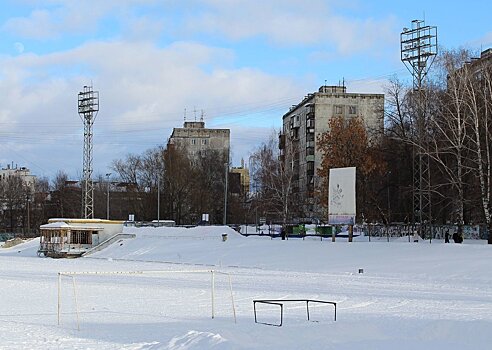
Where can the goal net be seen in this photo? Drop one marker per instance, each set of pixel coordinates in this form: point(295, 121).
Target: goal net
point(145, 295)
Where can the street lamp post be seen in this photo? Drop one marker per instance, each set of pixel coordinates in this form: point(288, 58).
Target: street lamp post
point(107, 203)
point(388, 198)
point(28, 214)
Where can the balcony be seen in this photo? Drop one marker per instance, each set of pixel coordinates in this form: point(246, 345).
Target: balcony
point(281, 141)
point(295, 122)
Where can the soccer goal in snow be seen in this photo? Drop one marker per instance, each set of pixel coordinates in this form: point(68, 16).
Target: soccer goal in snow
point(153, 273)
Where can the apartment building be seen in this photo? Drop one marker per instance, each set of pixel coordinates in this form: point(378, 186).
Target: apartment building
point(305, 122)
point(197, 139)
point(22, 172)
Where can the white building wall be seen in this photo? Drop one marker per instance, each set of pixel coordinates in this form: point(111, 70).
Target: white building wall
point(23, 172)
point(197, 138)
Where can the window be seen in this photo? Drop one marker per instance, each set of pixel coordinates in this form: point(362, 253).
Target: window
point(338, 109)
point(352, 109)
point(204, 141)
point(310, 168)
point(193, 141)
point(81, 237)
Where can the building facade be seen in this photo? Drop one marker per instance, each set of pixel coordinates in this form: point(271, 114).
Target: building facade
point(23, 173)
point(304, 124)
point(243, 174)
point(197, 139)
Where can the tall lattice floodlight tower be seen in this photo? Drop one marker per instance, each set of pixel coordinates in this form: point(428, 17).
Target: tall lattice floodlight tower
point(418, 47)
point(88, 108)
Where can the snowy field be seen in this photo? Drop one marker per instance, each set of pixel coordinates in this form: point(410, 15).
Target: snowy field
point(410, 296)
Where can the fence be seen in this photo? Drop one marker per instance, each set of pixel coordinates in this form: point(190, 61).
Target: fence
point(437, 231)
point(6, 234)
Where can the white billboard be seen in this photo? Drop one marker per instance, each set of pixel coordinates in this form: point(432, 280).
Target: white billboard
point(341, 196)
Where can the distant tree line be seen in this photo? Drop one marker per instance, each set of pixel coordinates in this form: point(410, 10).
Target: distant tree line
point(164, 179)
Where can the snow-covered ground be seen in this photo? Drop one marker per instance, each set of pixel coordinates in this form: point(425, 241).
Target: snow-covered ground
point(410, 295)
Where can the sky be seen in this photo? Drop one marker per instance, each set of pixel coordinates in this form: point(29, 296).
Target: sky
point(242, 62)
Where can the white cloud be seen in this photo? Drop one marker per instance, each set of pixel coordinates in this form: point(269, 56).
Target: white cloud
point(59, 17)
point(294, 22)
point(287, 22)
point(142, 87)
point(37, 25)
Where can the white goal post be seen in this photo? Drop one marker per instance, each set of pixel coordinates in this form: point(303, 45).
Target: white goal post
point(72, 275)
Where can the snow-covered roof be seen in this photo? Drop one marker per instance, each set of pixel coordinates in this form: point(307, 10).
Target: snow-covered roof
point(64, 225)
point(55, 225)
point(85, 221)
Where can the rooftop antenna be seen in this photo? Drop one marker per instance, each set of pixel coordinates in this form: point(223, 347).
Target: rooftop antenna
point(88, 107)
point(185, 114)
point(202, 115)
point(194, 111)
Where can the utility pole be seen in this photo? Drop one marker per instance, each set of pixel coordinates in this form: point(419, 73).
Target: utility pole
point(28, 199)
point(88, 103)
point(418, 47)
point(107, 204)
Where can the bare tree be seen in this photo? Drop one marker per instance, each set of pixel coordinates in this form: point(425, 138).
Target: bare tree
point(478, 91)
point(14, 193)
point(209, 184)
point(65, 197)
point(449, 125)
point(178, 183)
point(273, 176)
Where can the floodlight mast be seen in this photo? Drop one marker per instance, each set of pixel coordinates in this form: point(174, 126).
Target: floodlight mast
point(418, 47)
point(88, 103)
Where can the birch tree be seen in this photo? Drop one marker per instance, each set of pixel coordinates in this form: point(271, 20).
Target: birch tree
point(449, 127)
point(274, 177)
point(478, 95)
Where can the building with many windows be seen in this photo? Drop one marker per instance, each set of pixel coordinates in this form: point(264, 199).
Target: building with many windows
point(23, 173)
point(197, 139)
point(305, 122)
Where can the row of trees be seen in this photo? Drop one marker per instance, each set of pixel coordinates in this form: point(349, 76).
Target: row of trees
point(182, 189)
point(457, 140)
point(187, 187)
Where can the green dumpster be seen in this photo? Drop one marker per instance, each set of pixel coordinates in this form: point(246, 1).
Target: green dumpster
point(299, 230)
point(324, 230)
